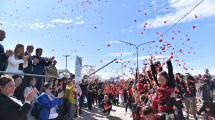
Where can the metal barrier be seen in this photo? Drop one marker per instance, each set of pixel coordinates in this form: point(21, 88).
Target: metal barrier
point(4, 72)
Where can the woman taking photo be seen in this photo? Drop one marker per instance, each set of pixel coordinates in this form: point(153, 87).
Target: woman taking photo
point(11, 108)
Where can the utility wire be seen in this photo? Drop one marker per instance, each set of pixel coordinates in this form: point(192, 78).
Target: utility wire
point(179, 20)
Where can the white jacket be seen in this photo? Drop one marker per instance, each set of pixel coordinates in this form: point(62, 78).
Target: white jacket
point(13, 65)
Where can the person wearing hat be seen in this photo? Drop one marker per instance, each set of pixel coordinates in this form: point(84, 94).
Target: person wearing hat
point(52, 70)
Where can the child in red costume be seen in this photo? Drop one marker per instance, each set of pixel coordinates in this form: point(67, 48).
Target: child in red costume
point(107, 105)
point(164, 100)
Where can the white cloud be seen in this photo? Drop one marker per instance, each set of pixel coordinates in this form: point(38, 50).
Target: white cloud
point(48, 25)
point(181, 7)
point(78, 17)
point(2, 22)
point(130, 29)
point(118, 54)
point(79, 23)
point(36, 25)
point(113, 42)
point(61, 21)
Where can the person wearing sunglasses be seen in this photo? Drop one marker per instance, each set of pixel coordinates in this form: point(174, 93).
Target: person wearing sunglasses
point(45, 103)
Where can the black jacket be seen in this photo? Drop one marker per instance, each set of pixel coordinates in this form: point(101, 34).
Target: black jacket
point(10, 110)
point(3, 58)
point(19, 93)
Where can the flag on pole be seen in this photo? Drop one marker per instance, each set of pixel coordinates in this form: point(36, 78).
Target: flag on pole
point(78, 69)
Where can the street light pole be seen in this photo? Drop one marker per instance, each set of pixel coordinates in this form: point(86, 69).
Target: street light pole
point(137, 52)
point(137, 49)
point(66, 59)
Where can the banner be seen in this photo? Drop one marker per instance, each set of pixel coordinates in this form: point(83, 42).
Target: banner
point(115, 78)
point(78, 69)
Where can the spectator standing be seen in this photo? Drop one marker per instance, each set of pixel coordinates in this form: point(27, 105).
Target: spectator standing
point(83, 86)
point(29, 68)
point(90, 92)
point(70, 95)
point(18, 61)
point(52, 70)
point(208, 78)
point(39, 68)
point(205, 95)
point(3, 55)
point(190, 96)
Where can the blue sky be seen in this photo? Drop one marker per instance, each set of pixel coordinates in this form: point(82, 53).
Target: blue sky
point(86, 28)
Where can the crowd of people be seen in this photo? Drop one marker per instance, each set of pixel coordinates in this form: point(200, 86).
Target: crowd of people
point(154, 94)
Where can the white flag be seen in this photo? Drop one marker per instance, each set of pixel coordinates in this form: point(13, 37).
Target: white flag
point(78, 69)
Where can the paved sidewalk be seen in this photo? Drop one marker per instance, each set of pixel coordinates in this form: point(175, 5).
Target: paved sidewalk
point(117, 113)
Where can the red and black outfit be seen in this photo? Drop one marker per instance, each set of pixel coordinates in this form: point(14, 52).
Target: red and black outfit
point(162, 102)
point(139, 114)
point(107, 106)
point(129, 99)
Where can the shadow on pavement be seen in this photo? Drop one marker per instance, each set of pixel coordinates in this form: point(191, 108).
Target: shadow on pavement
point(97, 114)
